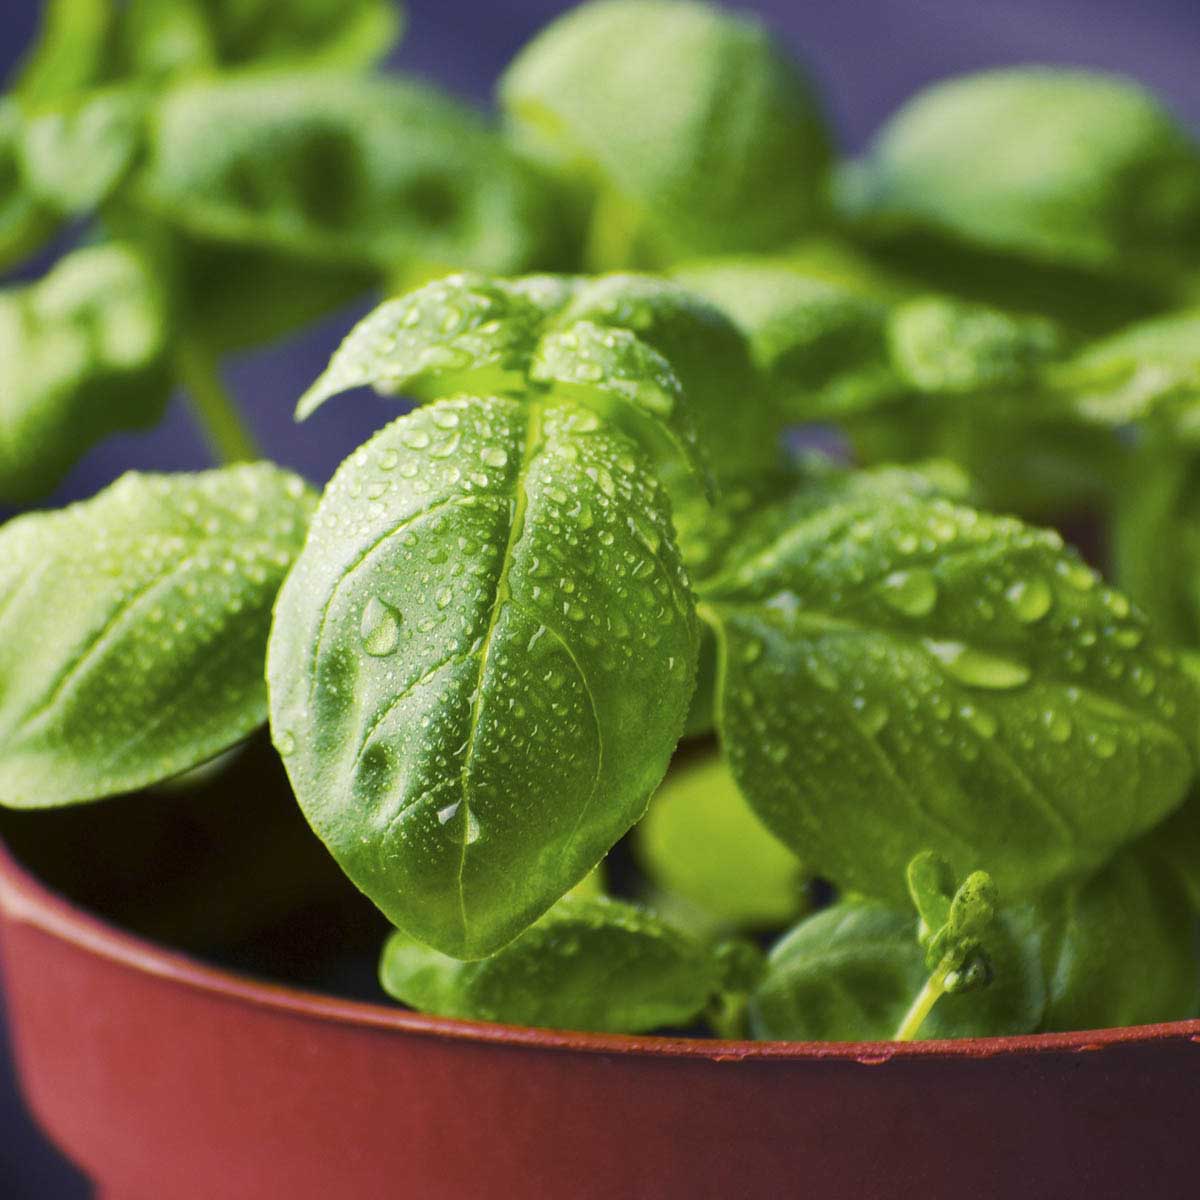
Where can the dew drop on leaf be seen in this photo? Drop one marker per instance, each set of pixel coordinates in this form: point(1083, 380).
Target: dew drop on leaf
point(976, 668)
point(1031, 599)
point(380, 628)
point(912, 593)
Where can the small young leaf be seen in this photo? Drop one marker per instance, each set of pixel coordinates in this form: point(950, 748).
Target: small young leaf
point(901, 673)
point(684, 127)
point(589, 964)
point(482, 662)
point(82, 355)
point(133, 627)
point(611, 344)
point(701, 843)
point(852, 971)
point(1056, 165)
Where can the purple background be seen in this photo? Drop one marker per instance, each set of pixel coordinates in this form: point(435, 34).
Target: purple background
point(867, 55)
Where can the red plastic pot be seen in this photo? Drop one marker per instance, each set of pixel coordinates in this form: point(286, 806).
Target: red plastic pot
point(161, 1078)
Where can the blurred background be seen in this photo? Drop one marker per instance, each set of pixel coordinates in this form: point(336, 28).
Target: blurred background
point(866, 56)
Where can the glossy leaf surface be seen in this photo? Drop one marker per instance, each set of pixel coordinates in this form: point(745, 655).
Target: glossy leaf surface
point(482, 662)
point(901, 673)
point(685, 129)
point(82, 354)
point(133, 627)
point(589, 964)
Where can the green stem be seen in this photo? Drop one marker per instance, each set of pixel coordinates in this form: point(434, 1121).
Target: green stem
point(215, 411)
point(927, 997)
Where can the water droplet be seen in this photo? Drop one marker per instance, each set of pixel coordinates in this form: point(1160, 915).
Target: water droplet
point(494, 456)
point(379, 628)
point(285, 743)
point(1058, 725)
point(982, 722)
point(913, 593)
point(418, 439)
point(752, 651)
point(1031, 599)
point(1104, 746)
point(977, 668)
point(1077, 574)
point(447, 814)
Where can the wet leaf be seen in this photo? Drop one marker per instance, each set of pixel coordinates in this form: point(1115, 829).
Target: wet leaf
point(133, 628)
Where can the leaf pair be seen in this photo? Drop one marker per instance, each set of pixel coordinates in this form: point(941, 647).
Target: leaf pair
point(640, 351)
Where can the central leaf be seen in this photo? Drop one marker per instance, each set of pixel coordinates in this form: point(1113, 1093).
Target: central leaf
point(482, 662)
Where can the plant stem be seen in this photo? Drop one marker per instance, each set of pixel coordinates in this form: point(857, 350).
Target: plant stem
point(927, 997)
point(215, 411)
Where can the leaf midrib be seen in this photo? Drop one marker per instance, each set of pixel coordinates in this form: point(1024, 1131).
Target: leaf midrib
point(532, 444)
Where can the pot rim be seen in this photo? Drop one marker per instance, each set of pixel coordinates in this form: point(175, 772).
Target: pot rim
point(25, 899)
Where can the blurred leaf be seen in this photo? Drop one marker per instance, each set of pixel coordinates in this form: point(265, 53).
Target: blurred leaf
point(701, 842)
point(684, 129)
point(82, 355)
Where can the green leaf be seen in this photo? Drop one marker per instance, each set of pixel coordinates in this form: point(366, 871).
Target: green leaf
point(360, 173)
point(822, 341)
point(900, 673)
point(1120, 949)
point(946, 347)
point(76, 152)
point(71, 53)
point(133, 627)
point(612, 344)
point(852, 971)
point(82, 355)
point(1050, 164)
point(684, 129)
point(1147, 371)
point(701, 843)
point(25, 221)
point(482, 662)
point(1175, 845)
point(589, 964)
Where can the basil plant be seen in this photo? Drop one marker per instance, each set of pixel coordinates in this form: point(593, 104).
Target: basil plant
point(626, 713)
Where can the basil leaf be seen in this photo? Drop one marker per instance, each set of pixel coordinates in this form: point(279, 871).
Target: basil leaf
point(1120, 949)
point(946, 347)
point(1051, 164)
point(76, 152)
point(588, 964)
point(71, 53)
point(702, 845)
point(362, 173)
point(461, 332)
point(133, 626)
point(25, 221)
point(482, 662)
point(683, 128)
point(82, 355)
point(1150, 370)
point(822, 341)
point(1175, 845)
point(899, 673)
point(612, 344)
point(851, 972)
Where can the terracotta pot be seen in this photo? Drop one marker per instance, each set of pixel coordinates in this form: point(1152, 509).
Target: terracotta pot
point(162, 1077)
